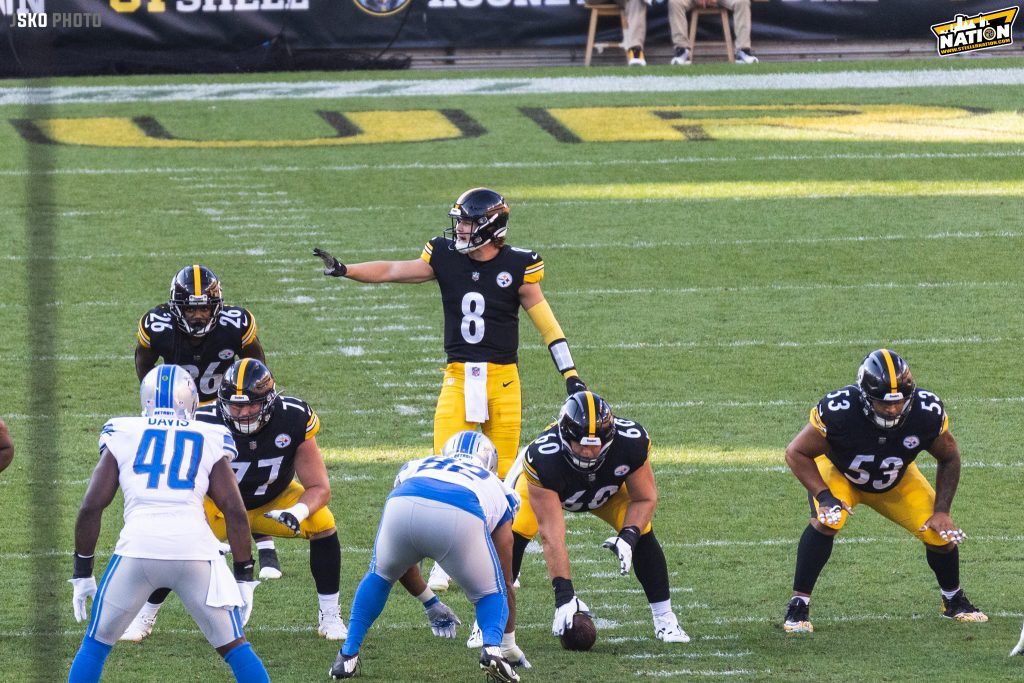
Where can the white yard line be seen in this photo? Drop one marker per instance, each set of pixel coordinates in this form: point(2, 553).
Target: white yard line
point(476, 87)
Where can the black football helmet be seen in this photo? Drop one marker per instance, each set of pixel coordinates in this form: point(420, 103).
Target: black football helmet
point(586, 419)
point(247, 382)
point(488, 212)
point(884, 377)
point(195, 287)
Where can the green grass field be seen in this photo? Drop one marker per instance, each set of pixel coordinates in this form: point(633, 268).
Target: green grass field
point(722, 262)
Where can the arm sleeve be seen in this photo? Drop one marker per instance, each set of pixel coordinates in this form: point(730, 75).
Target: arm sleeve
point(544, 320)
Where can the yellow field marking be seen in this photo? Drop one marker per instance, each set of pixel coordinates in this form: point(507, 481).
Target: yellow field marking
point(852, 122)
point(375, 126)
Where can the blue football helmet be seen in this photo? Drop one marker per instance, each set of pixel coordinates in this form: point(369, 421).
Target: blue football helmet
point(475, 445)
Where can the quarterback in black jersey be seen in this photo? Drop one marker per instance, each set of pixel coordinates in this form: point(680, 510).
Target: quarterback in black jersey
point(859, 447)
point(483, 282)
point(591, 461)
point(276, 440)
point(195, 330)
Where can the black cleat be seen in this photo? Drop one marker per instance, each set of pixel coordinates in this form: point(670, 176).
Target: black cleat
point(497, 667)
point(960, 608)
point(345, 666)
point(798, 617)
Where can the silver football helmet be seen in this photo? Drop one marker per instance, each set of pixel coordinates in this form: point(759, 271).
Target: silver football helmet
point(169, 390)
point(475, 445)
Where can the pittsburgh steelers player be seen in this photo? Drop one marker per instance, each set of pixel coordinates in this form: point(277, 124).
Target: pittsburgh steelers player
point(195, 330)
point(483, 282)
point(591, 461)
point(859, 447)
point(276, 439)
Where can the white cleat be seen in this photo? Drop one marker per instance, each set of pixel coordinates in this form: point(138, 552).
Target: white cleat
point(331, 626)
point(140, 628)
point(667, 628)
point(438, 580)
point(270, 573)
point(476, 637)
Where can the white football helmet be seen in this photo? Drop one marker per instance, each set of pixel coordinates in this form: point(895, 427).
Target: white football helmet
point(468, 444)
point(169, 390)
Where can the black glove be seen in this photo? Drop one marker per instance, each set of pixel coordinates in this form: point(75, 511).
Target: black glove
point(332, 266)
point(574, 384)
point(827, 500)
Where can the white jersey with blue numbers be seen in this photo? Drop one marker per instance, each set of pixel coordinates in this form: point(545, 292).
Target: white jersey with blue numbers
point(459, 483)
point(164, 468)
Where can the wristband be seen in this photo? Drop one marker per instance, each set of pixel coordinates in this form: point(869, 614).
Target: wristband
point(300, 511)
point(83, 566)
point(560, 354)
point(426, 596)
point(630, 535)
point(243, 570)
point(564, 591)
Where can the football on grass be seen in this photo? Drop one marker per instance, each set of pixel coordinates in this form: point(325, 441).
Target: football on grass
point(582, 635)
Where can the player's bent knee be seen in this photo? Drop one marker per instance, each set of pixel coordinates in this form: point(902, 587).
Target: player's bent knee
point(826, 529)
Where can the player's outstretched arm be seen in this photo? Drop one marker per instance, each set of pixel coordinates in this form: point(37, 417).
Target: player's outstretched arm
point(411, 271)
point(99, 494)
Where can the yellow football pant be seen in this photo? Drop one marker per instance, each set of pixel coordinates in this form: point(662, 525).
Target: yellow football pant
point(318, 522)
point(504, 410)
point(613, 511)
point(910, 503)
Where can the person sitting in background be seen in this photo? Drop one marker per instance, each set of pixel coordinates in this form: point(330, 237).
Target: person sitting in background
point(678, 20)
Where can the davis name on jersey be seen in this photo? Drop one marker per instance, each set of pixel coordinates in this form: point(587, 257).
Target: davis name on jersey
point(545, 466)
point(872, 458)
point(266, 460)
point(460, 483)
point(164, 468)
point(481, 300)
point(207, 361)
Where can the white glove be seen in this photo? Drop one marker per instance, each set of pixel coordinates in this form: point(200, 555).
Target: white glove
point(442, 619)
point(565, 613)
point(622, 551)
point(511, 651)
point(246, 588)
point(84, 589)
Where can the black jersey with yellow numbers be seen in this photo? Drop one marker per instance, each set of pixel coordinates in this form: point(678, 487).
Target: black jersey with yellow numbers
point(545, 465)
point(481, 300)
point(872, 458)
point(211, 357)
point(266, 460)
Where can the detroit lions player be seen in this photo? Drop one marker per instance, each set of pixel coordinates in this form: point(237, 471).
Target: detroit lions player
point(164, 463)
point(455, 510)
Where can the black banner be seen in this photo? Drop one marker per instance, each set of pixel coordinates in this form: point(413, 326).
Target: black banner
point(217, 35)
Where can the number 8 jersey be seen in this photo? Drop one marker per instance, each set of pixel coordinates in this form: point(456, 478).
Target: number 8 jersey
point(481, 300)
point(874, 459)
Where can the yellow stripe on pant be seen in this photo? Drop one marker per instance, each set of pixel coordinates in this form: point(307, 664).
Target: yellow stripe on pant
point(504, 410)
